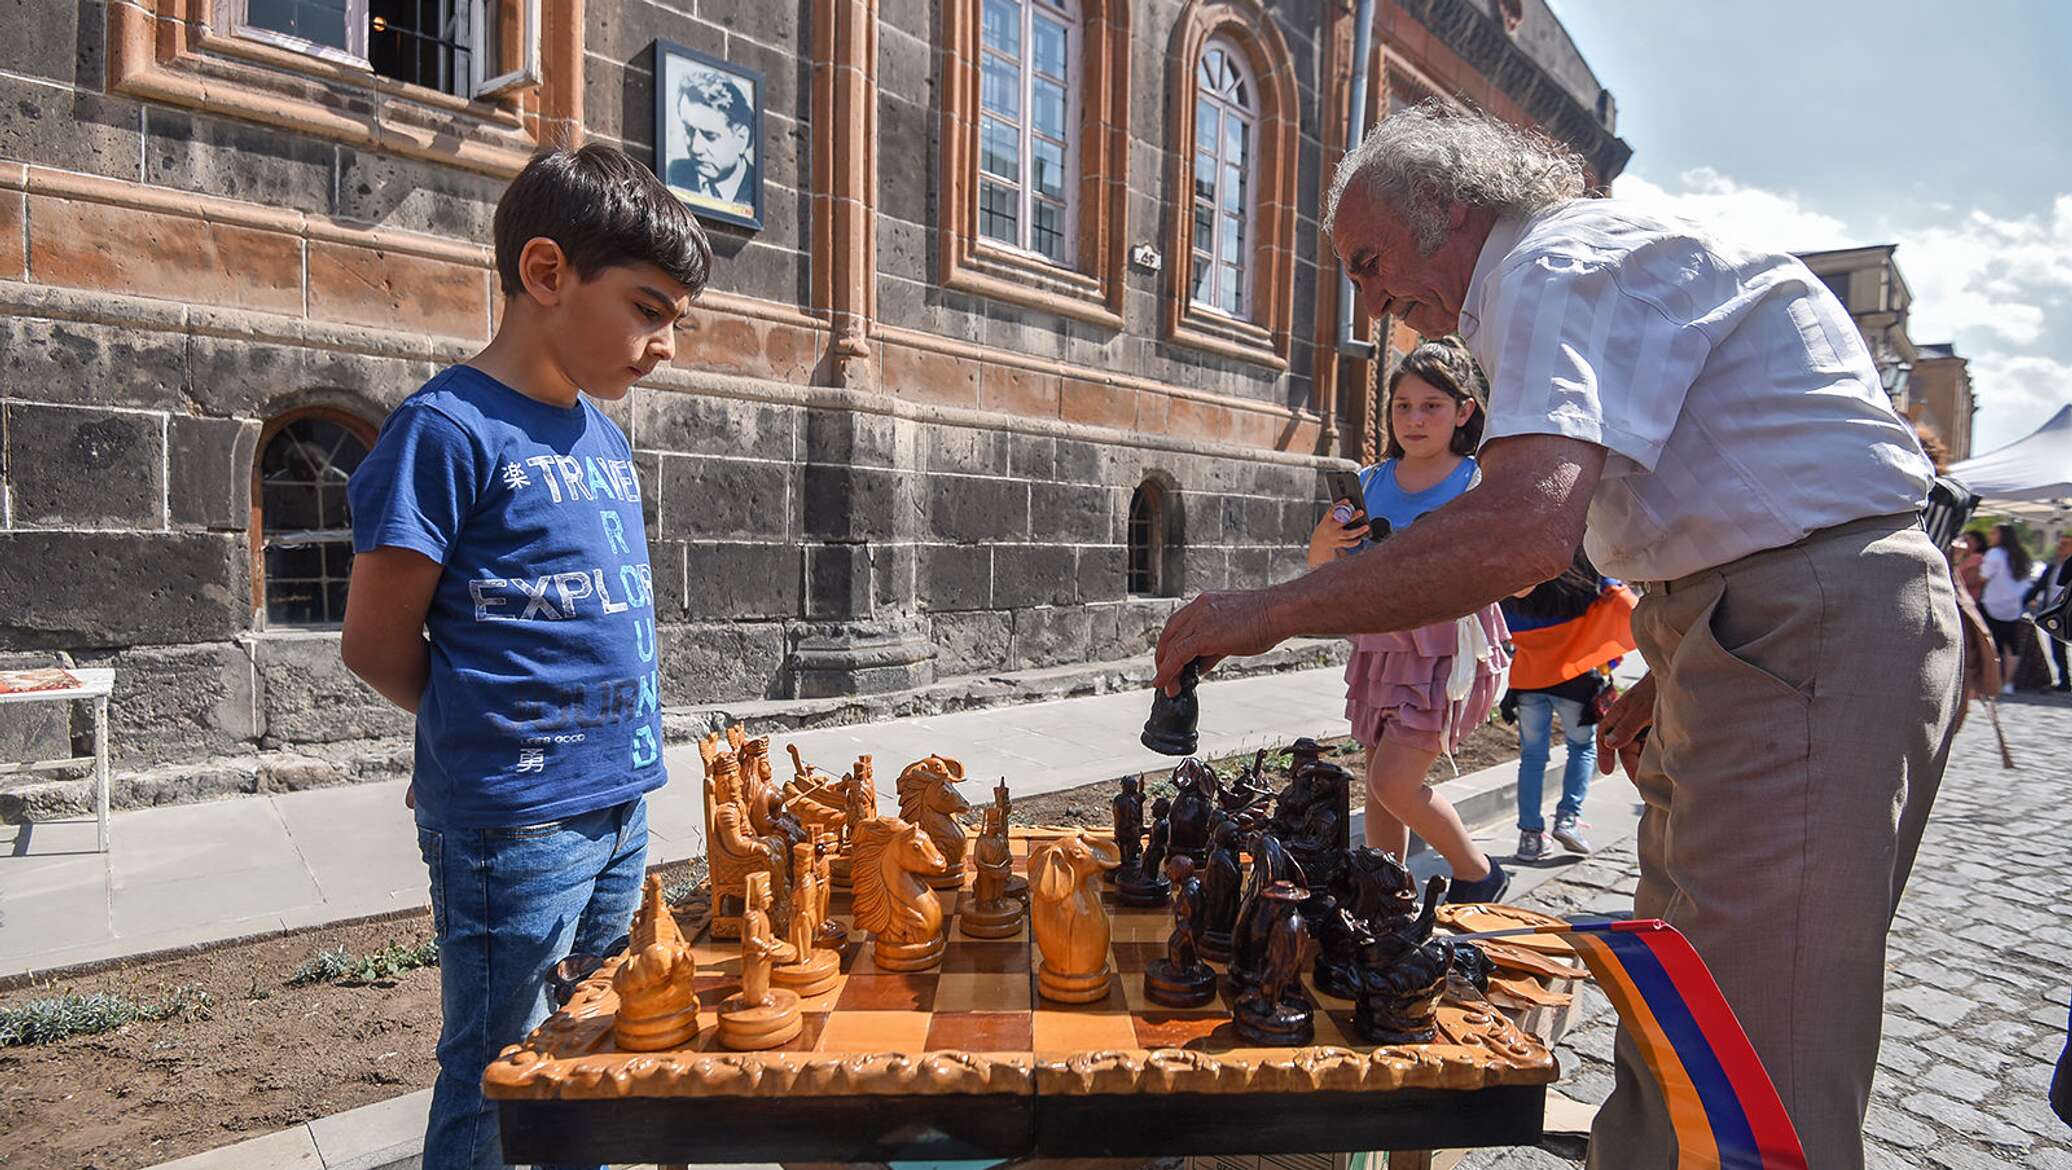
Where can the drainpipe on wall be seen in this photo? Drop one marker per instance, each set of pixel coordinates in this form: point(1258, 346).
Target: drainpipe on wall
point(1349, 345)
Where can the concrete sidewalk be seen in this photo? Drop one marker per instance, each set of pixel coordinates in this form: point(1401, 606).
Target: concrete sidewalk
point(186, 875)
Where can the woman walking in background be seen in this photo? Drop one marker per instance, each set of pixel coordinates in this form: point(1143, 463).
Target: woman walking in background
point(1968, 557)
point(2007, 569)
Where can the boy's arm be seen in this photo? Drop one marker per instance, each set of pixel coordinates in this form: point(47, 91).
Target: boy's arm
point(385, 605)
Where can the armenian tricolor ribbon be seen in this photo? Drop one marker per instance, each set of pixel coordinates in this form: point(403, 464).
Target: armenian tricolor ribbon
point(1724, 1109)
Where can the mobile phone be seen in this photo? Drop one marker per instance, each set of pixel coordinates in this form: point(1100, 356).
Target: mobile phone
point(1345, 485)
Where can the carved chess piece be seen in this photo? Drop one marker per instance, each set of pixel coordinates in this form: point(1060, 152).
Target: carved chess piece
point(759, 1016)
point(765, 802)
point(1149, 887)
point(1194, 810)
point(1128, 809)
point(889, 868)
point(814, 796)
point(1070, 923)
point(1181, 979)
point(1276, 1012)
point(1372, 892)
point(1170, 731)
point(928, 797)
point(833, 935)
point(812, 969)
point(658, 1010)
point(1221, 887)
point(860, 803)
point(1403, 974)
point(988, 911)
point(1270, 863)
point(732, 848)
point(1248, 790)
point(1312, 819)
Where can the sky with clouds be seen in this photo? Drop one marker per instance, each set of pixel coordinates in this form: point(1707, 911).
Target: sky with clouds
point(1945, 128)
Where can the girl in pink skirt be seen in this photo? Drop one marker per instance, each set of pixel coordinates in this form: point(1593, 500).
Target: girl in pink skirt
point(1415, 694)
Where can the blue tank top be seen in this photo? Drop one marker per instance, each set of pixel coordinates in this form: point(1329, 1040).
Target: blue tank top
point(1387, 499)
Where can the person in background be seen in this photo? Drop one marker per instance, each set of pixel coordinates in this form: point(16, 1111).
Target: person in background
point(1968, 557)
point(2008, 570)
point(1566, 635)
point(2045, 592)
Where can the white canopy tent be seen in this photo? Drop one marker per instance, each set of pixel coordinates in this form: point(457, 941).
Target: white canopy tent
point(2030, 478)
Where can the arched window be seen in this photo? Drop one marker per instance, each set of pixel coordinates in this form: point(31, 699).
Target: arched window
point(1028, 73)
point(302, 526)
point(1147, 541)
point(1226, 117)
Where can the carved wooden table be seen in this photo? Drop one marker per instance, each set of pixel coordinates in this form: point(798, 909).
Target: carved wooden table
point(964, 1062)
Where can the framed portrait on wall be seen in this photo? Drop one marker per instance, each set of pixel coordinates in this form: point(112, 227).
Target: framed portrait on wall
point(709, 134)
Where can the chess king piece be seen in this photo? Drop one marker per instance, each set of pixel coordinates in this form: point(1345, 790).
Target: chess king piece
point(1070, 924)
point(859, 803)
point(1181, 979)
point(1148, 886)
point(658, 1010)
point(889, 869)
point(733, 849)
point(1270, 863)
point(813, 968)
point(1276, 1012)
point(759, 1016)
point(1402, 975)
point(989, 912)
point(1170, 731)
point(1194, 810)
point(1128, 808)
point(1221, 887)
point(928, 797)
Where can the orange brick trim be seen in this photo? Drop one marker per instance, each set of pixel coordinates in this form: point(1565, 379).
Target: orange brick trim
point(179, 52)
point(1263, 338)
point(1092, 289)
point(845, 178)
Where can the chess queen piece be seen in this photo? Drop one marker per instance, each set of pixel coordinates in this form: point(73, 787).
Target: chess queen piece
point(928, 797)
point(889, 869)
point(1276, 1012)
point(1128, 809)
point(989, 911)
point(658, 1008)
point(1070, 924)
point(1222, 885)
point(812, 969)
point(759, 1016)
point(1170, 731)
point(1149, 887)
point(1181, 979)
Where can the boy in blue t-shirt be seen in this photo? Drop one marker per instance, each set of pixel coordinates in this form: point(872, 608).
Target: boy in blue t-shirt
point(499, 513)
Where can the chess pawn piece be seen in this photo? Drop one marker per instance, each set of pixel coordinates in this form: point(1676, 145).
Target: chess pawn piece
point(832, 934)
point(928, 797)
point(1181, 979)
point(1148, 886)
point(759, 1016)
point(988, 912)
point(812, 969)
point(1128, 808)
point(889, 869)
point(1221, 885)
point(1070, 923)
point(1275, 1012)
point(658, 1009)
point(1170, 731)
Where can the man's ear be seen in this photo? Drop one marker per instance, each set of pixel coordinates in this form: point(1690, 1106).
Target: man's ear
point(544, 270)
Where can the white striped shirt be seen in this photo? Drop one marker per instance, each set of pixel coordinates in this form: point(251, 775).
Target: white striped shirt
point(1737, 401)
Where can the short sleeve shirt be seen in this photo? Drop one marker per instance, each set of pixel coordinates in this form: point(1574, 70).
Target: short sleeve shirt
point(1386, 498)
point(543, 700)
point(1739, 405)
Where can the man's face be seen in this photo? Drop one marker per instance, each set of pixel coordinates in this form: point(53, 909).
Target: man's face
point(716, 143)
point(1381, 255)
point(617, 326)
point(2065, 545)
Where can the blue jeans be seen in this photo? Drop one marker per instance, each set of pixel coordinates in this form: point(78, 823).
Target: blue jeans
point(507, 904)
point(1535, 729)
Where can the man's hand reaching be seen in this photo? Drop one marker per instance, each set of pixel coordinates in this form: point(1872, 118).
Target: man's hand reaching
point(1622, 732)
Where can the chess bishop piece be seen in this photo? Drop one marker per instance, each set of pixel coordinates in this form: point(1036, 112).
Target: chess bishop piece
point(1170, 731)
point(1181, 979)
point(889, 870)
point(989, 911)
point(928, 797)
point(1148, 886)
point(832, 935)
point(658, 1010)
point(759, 1016)
point(1276, 1012)
point(1070, 924)
point(1222, 885)
point(812, 969)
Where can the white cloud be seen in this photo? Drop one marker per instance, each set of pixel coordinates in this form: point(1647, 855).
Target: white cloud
point(2016, 393)
point(1748, 213)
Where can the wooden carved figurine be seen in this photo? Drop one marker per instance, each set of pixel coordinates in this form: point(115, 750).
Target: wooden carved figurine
point(814, 796)
point(833, 935)
point(658, 1010)
point(765, 803)
point(988, 911)
point(889, 868)
point(928, 797)
point(813, 968)
point(1070, 922)
point(1148, 886)
point(859, 804)
point(760, 1016)
point(1128, 807)
point(1276, 1011)
point(732, 848)
point(1181, 979)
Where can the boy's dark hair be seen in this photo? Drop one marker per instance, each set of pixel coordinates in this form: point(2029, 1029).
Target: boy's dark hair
point(604, 210)
point(1448, 366)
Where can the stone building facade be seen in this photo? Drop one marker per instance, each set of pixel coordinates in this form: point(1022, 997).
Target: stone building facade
point(1928, 382)
point(989, 390)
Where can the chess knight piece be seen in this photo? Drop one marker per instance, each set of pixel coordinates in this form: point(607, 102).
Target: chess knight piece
point(658, 1010)
point(859, 803)
point(732, 848)
point(1181, 979)
point(813, 968)
point(928, 797)
point(989, 911)
point(1402, 975)
point(889, 867)
point(1221, 886)
point(760, 1016)
point(1276, 1012)
point(1150, 887)
point(1128, 807)
point(1170, 731)
point(1070, 923)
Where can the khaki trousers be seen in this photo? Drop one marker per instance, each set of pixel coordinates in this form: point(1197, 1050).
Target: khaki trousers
point(1803, 710)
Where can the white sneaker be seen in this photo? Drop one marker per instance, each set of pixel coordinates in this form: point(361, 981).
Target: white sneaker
point(1570, 835)
point(2007, 688)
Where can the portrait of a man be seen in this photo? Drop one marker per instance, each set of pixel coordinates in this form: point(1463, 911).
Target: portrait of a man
point(708, 121)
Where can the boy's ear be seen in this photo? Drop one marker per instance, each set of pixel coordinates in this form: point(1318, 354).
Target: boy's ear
point(544, 270)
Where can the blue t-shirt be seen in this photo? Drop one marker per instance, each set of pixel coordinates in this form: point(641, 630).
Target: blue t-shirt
point(1387, 499)
point(544, 698)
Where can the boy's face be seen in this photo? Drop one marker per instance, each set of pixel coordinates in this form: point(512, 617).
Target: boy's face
point(617, 326)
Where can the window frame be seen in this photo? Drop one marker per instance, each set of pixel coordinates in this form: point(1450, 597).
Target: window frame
point(1248, 215)
point(1152, 495)
point(353, 56)
point(481, 88)
point(1066, 14)
point(358, 427)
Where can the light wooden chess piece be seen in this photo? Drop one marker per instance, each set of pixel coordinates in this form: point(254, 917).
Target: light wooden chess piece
point(928, 797)
point(813, 796)
point(732, 848)
point(833, 934)
point(889, 866)
point(1070, 922)
point(658, 1008)
point(989, 911)
point(760, 1016)
point(860, 803)
point(813, 969)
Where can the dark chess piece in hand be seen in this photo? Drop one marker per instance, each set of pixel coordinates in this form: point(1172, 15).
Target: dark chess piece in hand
point(1148, 886)
point(1221, 887)
point(1181, 979)
point(1194, 810)
point(1270, 864)
point(1170, 731)
point(1403, 974)
point(1275, 1012)
point(1128, 809)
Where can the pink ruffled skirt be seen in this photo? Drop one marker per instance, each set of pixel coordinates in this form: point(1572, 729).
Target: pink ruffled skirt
point(1395, 685)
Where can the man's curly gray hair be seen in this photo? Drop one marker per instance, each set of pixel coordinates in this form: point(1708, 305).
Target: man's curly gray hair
point(1421, 159)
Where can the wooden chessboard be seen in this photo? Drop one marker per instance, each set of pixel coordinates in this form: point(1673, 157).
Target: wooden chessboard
point(966, 1061)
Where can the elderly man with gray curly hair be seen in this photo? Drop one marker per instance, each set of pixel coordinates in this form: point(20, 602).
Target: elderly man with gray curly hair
point(1702, 415)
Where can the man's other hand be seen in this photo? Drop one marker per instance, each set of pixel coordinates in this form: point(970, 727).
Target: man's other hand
point(1619, 733)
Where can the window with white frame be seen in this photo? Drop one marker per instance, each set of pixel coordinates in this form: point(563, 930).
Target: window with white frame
point(1028, 51)
point(459, 47)
point(1226, 117)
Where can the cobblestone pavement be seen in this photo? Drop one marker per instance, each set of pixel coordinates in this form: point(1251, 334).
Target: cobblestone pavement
point(1978, 973)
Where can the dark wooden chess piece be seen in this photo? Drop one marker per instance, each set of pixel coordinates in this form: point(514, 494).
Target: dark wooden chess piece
point(1194, 810)
point(1248, 790)
point(1148, 886)
point(1128, 810)
point(1403, 974)
point(1302, 753)
point(1221, 887)
point(1275, 1012)
point(1312, 818)
point(1170, 731)
point(1271, 863)
point(1370, 891)
point(1181, 979)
